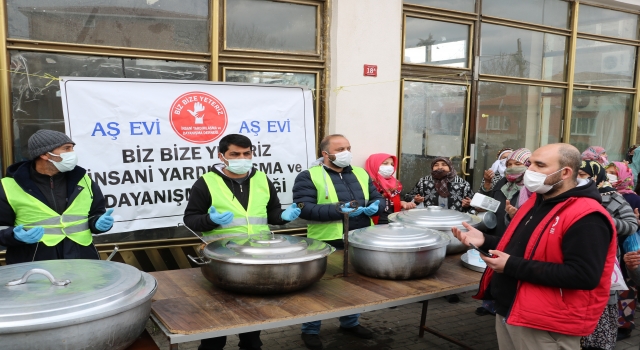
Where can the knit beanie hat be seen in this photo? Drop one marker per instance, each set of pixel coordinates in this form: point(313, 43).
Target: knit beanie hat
point(44, 141)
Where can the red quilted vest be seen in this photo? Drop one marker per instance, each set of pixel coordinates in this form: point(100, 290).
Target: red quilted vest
point(566, 311)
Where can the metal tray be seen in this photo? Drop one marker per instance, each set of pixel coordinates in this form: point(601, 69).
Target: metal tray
point(464, 260)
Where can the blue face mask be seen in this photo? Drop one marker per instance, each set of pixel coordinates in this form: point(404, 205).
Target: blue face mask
point(239, 166)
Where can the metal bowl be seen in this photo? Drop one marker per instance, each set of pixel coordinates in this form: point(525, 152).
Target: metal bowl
point(264, 263)
point(397, 252)
point(89, 304)
point(440, 219)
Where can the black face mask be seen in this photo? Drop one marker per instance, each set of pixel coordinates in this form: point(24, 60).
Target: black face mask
point(439, 174)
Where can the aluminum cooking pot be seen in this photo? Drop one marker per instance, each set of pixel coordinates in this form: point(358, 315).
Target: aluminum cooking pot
point(437, 218)
point(73, 304)
point(264, 263)
point(395, 251)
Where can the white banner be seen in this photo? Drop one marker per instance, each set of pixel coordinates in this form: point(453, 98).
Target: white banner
point(145, 142)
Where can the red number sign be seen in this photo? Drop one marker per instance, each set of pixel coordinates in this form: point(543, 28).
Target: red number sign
point(370, 70)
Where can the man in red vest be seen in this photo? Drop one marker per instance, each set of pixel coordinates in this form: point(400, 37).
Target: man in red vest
point(551, 271)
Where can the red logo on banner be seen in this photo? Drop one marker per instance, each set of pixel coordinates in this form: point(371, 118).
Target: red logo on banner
point(198, 117)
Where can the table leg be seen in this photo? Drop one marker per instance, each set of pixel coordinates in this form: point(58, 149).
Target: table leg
point(423, 328)
point(423, 318)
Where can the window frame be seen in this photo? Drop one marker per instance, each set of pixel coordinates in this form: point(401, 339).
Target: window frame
point(319, 24)
point(447, 20)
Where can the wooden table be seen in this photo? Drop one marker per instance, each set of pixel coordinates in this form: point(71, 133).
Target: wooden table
point(187, 307)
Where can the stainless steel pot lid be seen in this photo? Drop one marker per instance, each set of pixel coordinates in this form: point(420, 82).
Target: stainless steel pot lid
point(396, 237)
point(435, 218)
point(95, 286)
point(266, 248)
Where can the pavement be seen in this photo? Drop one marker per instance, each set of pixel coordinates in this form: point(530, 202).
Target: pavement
point(394, 329)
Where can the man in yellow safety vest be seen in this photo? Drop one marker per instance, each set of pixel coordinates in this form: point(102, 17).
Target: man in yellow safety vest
point(49, 207)
point(235, 198)
point(319, 189)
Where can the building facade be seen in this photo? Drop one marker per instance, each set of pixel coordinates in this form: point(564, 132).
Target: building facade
point(455, 78)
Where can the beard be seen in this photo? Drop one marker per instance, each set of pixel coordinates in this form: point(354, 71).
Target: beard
point(554, 180)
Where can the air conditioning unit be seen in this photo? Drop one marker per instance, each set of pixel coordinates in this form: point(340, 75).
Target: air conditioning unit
point(617, 61)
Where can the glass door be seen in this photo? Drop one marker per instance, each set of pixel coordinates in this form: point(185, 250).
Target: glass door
point(514, 116)
point(434, 124)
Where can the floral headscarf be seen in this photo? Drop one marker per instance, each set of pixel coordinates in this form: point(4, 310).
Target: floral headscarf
point(442, 179)
point(625, 183)
point(595, 153)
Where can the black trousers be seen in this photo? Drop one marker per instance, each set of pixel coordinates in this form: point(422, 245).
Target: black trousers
point(248, 341)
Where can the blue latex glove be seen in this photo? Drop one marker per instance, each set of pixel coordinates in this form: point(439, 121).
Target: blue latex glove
point(220, 219)
point(291, 213)
point(31, 236)
point(352, 212)
point(372, 209)
point(105, 222)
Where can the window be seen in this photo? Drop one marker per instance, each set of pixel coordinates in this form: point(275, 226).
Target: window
point(522, 53)
point(433, 119)
point(436, 43)
point(165, 25)
point(287, 28)
point(279, 78)
point(554, 13)
point(602, 119)
point(456, 5)
point(498, 122)
point(515, 116)
point(600, 21)
point(603, 63)
point(583, 126)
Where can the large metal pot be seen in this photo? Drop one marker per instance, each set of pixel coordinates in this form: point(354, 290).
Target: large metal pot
point(264, 263)
point(397, 252)
point(93, 304)
point(437, 218)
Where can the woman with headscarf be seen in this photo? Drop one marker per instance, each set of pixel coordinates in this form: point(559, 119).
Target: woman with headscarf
point(596, 154)
point(605, 334)
point(509, 189)
point(621, 179)
point(381, 167)
point(445, 189)
point(496, 172)
point(633, 159)
point(442, 188)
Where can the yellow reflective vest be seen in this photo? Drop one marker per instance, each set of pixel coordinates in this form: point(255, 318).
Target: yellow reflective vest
point(251, 220)
point(31, 212)
point(326, 194)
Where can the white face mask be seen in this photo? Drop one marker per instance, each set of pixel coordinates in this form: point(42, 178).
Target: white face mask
point(534, 181)
point(612, 178)
point(343, 159)
point(68, 162)
point(239, 166)
point(386, 171)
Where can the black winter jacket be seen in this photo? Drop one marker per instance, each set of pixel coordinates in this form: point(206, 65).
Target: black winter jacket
point(347, 188)
point(196, 214)
point(584, 249)
point(64, 187)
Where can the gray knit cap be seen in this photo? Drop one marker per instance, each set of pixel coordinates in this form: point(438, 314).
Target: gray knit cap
point(44, 141)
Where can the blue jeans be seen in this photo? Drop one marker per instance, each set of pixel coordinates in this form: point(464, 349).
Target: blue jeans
point(345, 322)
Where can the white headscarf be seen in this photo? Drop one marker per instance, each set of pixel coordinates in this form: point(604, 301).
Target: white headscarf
point(499, 166)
